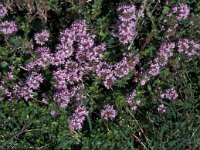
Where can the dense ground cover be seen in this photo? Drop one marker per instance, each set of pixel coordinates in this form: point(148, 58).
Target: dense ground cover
point(99, 74)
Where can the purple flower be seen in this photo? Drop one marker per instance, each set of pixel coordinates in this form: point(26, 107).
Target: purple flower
point(127, 64)
point(64, 48)
point(154, 69)
point(3, 11)
point(85, 43)
point(127, 12)
point(182, 11)
point(78, 117)
point(169, 94)
point(188, 47)
point(165, 52)
point(108, 112)
point(95, 54)
point(62, 97)
point(42, 37)
point(109, 72)
point(26, 89)
point(53, 113)
point(109, 80)
point(67, 37)
point(44, 58)
point(8, 27)
point(162, 109)
point(130, 97)
point(103, 69)
point(133, 103)
point(79, 28)
point(25, 92)
point(34, 80)
point(144, 80)
point(45, 101)
point(59, 58)
point(125, 28)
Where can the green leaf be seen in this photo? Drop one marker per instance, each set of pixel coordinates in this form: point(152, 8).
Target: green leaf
point(4, 64)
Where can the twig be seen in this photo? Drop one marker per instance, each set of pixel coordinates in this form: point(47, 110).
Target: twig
point(140, 127)
point(140, 141)
point(155, 6)
point(32, 130)
point(23, 68)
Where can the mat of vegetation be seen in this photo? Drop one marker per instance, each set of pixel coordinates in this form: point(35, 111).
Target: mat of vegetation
point(100, 74)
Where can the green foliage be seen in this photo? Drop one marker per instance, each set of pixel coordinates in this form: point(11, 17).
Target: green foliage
point(30, 125)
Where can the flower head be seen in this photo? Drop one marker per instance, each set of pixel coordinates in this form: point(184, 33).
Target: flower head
point(78, 117)
point(162, 109)
point(182, 11)
point(42, 37)
point(130, 97)
point(169, 94)
point(108, 112)
point(125, 28)
point(53, 113)
point(127, 12)
point(154, 69)
point(3, 11)
point(8, 27)
point(188, 47)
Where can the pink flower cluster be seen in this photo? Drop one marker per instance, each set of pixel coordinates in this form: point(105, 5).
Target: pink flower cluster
point(3, 10)
point(165, 52)
point(26, 89)
point(181, 11)
point(53, 113)
point(73, 72)
point(73, 64)
point(133, 103)
point(108, 112)
point(144, 80)
point(78, 117)
point(188, 47)
point(162, 109)
point(69, 74)
point(169, 94)
point(42, 37)
point(63, 91)
point(77, 56)
point(86, 50)
point(8, 27)
point(4, 90)
point(154, 69)
point(6, 84)
point(111, 72)
point(44, 58)
point(127, 64)
point(125, 28)
point(105, 72)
